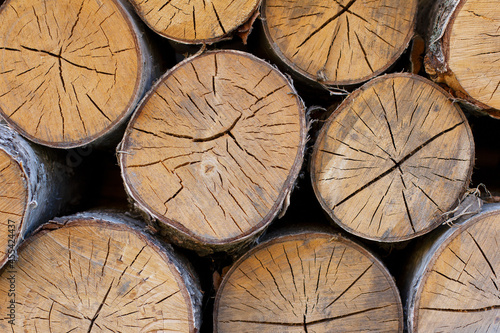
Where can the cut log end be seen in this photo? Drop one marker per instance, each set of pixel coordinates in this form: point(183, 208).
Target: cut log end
point(311, 282)
point(195, 22)
point(393, 159)
point(95, 275)
point(13, 197)
point(77, 78)
point(216, 147)
point(458, 290)
point(322, 42)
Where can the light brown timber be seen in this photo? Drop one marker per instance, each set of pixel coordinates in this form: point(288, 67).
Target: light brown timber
point(452, 285)
point(214, 149)
point(198, 21)
point(463, 51)
point(339, 42)
point(71, 71)
point(99, 272)
point(308, 282)
point(35, 185)
point(393, 158)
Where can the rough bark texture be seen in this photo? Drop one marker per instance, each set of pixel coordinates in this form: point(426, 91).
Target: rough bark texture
point(308, 282)
point(453, 284)
point(71, 71)
point(393, 158)
point(35, 186)
point(322, 42)
point(198, 21)
point(462, 51)
point(100, 272)
point(214, 150)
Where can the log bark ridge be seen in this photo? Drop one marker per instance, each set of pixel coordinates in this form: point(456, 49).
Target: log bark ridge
point(393, 158)
point(454, 285)
point(215, 148)
point(80, 77)
point(198, 21)
point(308, 282)
point(99, 271)
point(463, 50)
point(342, 43)
point(35, 187)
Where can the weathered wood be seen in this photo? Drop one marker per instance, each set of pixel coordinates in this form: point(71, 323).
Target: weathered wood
point(71, 71)
point(339, 43)
point(308, 282)
point(462, 51)
point(35, 186)
point(198, 21)
point(393, 158)
point(99, 271)
point(453, 283)
point(214, 150)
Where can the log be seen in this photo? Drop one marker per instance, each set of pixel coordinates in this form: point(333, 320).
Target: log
point(462, 51)
point(36, 186)
point(196, 22)
point(99, 272)
point(214, 150)
point(320, 43)
point(452, 284)
point(392, 159)
point(82, 75)
point(308, 282)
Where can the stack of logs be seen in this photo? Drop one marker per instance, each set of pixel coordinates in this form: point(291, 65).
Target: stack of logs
point(248, 166)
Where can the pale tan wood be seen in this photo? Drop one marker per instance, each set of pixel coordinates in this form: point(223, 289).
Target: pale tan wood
point(198, 21)
point(308, 282)
point(35, 185)
point(13, 197)
point(455, 286)
point(214, 150)
point(340, 42)
point(92, 273)
point(464, 46)
point(393, 159)
point(70, 70)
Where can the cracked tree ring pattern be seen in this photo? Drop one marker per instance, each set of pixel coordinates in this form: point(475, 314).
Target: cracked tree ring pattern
point(196, 21)
point(13, 200)
point(95, 276)
point(311, 282)
point(393, 159)
point(459, 289)
point(69, 69)
point(322, 40)
point(211, 150)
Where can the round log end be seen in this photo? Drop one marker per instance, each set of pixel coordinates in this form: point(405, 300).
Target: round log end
point(322, 42)
point(308, 282)
point(215, 148)
point(473, 51)
point(195, 22)
point(393, 158)
point(13, 200)
point(69, 70)
point(92, 274)
point(457, 290)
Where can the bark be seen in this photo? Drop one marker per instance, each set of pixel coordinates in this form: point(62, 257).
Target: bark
point(462, 51)
point(80, 78)
point(36, 186)
point(321, 43)
point(392, 159)
point(214, 150)
point(196, 22)
point(452, 283)
point(100, 271)
point(308, 282)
